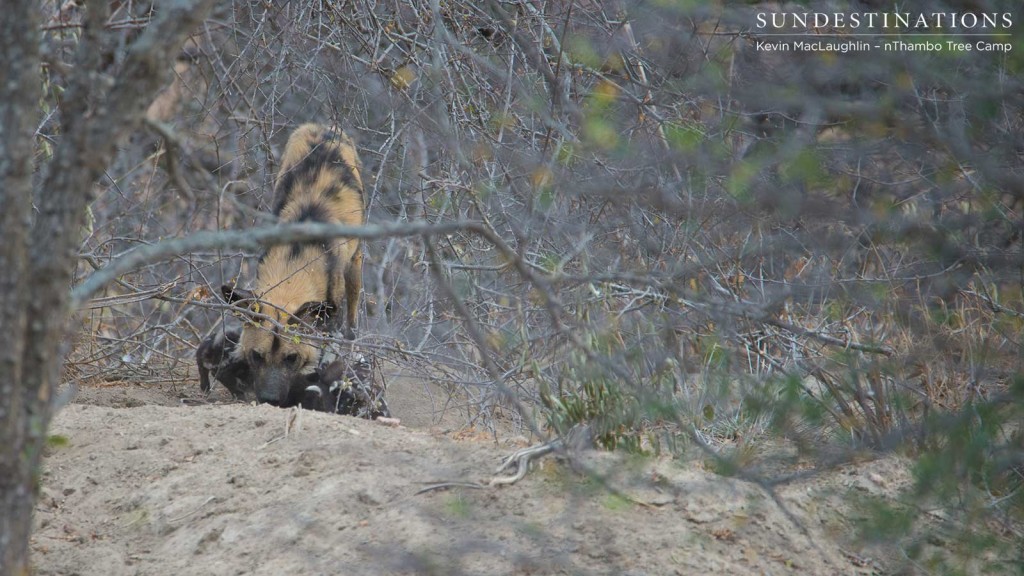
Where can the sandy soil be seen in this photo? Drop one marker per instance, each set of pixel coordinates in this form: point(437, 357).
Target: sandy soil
point(138, 483)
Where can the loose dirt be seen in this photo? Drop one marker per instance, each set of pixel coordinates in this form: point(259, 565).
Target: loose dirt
point(136, 482)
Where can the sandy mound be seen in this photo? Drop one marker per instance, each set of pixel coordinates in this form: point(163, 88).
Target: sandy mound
point(132, 486)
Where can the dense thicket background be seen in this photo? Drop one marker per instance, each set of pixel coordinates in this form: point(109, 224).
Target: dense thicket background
point(705, 246)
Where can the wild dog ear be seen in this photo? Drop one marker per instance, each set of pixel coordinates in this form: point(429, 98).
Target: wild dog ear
point(243, 300)
point(316, 314)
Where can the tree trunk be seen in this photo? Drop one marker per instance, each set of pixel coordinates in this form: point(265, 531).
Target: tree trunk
point(37, 258)
point(19, 443)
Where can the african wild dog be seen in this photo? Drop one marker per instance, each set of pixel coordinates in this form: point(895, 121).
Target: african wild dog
point(299, 286)
point(344, 388)
point(321, 394)
point(218, 356)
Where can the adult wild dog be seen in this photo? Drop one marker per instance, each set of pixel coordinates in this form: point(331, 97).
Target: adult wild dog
point(300, 286)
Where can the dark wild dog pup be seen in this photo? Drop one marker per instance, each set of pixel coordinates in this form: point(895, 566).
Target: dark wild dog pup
point(347, 389)
point(300, 286)
point(218, 356)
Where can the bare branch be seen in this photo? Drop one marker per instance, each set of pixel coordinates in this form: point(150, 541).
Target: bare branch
point(253, 240)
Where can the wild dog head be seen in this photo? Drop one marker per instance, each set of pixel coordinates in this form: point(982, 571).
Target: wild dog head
point(274, 344)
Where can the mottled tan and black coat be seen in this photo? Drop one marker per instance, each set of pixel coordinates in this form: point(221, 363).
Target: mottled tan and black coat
point(301, 286)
